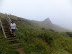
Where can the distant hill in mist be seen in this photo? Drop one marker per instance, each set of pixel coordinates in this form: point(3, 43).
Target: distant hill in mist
point(48, 24)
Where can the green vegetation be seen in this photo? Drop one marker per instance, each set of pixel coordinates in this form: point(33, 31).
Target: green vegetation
point(37, 40)
point(4, 46)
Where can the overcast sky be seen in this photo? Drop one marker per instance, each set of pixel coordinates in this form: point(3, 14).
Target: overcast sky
point(59, 11)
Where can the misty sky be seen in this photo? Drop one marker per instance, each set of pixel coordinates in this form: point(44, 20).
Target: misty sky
point(59, 11)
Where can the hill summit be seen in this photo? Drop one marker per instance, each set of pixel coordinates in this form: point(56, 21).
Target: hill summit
point(47, 21)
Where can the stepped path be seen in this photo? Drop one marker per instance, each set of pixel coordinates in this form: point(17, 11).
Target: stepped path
point(12, 41)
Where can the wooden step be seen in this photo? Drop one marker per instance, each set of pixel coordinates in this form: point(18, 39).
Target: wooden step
point(13, 40)
point(17, 44)
point(5, 24)
point(7, 29)
point(11, 36)
point(7, 32)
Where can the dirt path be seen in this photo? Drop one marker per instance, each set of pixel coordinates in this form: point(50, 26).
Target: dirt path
point(20, 50)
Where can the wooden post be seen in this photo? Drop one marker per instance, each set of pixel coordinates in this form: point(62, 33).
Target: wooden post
point(3, 29)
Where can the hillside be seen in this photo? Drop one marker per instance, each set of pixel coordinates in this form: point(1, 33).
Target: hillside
point(48, 24)
point(37, 40)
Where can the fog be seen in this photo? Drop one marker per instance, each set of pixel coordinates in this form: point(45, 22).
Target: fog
point(59, 11)
point(1, 1)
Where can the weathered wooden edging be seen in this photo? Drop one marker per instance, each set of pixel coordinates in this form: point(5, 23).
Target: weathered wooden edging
point(3, 29)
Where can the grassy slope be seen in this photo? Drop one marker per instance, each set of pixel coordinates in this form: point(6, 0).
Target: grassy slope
point(39, 40)
point(43, 41)
point(4, 46)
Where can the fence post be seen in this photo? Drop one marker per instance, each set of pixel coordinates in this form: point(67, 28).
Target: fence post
point(2, 28)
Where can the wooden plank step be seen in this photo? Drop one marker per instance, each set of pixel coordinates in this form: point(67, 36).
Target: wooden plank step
point(5, 24)
point(7, 32)
point(10, 36)
point(12, 46)
point(6, 28)
point(13, 40)
point(16, 44)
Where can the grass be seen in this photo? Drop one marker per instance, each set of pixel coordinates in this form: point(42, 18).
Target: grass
point(38, 40)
